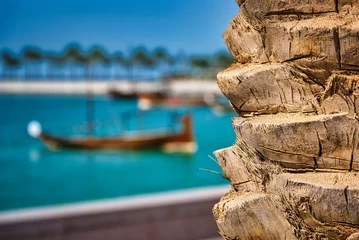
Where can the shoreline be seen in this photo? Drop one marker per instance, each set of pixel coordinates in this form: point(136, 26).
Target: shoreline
point(97, 87)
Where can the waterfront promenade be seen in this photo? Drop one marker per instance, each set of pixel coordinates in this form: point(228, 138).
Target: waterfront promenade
point(177, 215)
point(97, 87)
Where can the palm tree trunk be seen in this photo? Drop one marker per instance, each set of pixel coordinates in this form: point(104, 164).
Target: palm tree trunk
point(48, 71)
point(4, 72)
point(72, 72)
point(130, 73)
point(112, 74)
point(27, 74)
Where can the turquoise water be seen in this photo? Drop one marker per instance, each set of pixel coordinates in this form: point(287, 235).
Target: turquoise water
point(32, 175)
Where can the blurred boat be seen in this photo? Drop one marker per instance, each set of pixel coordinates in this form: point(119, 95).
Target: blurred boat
point(133, 90)
point(148, 101)
point(118, 94)
point(171, 142)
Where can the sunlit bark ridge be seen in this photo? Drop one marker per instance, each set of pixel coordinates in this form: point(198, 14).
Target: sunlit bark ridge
point(295, 87)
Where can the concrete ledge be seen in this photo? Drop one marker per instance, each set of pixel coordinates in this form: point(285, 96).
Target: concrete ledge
point(174, 215)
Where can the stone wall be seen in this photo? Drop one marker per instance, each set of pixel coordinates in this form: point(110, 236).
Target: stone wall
point(181, 215)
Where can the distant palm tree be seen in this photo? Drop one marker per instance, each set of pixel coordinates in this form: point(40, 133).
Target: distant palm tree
point(72, 52)
point(117, 58)
point(141, 57)
point(84, 60)
point(161, 54)
point(128, 64)
point(10, 62)
point(72, 55)
point(162, 57)
point(98, 55)
point(182, 66)
point(53, 59)
point(200, 62)
point(31, 55)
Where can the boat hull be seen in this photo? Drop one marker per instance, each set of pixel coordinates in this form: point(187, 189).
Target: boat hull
point(109, 143)
point(174, 142)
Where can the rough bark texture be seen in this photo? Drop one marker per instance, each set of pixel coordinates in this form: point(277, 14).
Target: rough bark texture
point(295, 87)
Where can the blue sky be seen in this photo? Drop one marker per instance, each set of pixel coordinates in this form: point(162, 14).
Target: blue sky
point(193, 26)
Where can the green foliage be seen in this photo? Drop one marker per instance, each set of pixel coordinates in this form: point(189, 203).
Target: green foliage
point(161, 54)
point(10, 60)
point(98, 55)
point(32, 54)
point(73, 53)
point(118, 58)
point(200, 62)
point(200, 66)
point(83, 59)
point(140, 56)
point(54, 58)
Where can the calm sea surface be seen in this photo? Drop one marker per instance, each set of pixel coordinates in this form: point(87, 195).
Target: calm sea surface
point(32, 175)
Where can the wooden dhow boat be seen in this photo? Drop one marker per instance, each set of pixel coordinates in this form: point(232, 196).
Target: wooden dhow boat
point(171, 142)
